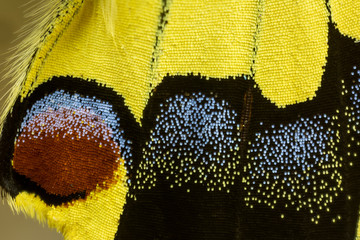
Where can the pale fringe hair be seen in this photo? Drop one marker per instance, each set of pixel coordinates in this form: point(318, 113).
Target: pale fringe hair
point(39, 16)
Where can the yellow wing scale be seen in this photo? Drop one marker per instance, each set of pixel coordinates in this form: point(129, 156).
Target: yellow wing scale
point(208, 38)
point(291, 50)
point(346, 16)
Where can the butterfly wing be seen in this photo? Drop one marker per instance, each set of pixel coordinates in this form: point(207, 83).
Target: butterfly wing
point(188, 120)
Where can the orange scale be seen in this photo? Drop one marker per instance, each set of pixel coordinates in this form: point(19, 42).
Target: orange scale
point(65, 163)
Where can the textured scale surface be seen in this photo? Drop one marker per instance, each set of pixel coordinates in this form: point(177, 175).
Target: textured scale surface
point(183, 119)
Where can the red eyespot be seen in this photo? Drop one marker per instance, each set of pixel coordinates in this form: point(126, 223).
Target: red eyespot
point(67, 150)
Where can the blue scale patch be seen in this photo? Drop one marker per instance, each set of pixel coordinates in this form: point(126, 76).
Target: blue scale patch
point(354, 109)
point(352, 114)
point(295, 164)
point(195, 141)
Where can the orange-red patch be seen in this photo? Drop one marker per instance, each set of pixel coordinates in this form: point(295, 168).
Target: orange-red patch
point(67, 151)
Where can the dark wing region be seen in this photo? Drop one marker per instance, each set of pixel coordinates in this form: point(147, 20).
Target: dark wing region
point(219, 161)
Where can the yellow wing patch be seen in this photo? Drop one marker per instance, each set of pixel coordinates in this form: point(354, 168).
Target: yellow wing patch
point(208, 38)
point(346, 16)
point(291, 49)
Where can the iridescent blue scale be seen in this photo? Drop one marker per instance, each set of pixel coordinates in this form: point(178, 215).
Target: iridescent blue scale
point(192, 141)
